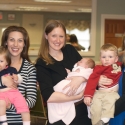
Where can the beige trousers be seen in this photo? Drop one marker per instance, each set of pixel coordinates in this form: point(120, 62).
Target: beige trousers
point(103, 105)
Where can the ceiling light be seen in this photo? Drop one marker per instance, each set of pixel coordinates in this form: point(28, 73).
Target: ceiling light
point(85, 9)
point(30, 8)
point(81, 10)
point(54, 1)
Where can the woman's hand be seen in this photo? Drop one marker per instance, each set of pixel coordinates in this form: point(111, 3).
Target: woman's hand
point(104, 81)
point(74, 85)
point(7, 80)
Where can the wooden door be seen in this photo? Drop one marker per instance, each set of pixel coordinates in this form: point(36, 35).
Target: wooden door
point(114, 30)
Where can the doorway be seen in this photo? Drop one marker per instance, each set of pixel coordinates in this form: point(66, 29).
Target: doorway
point(114, 30)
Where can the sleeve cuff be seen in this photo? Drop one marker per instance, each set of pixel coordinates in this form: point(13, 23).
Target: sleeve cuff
point(20, 79)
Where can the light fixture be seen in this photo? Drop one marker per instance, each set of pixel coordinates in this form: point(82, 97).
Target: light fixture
point(81, 10)
point(54, 1)
point(31, 8)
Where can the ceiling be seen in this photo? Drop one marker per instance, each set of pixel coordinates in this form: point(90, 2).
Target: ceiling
point(56, 6)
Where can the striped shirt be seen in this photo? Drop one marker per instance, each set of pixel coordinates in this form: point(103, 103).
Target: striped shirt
point(27, 88)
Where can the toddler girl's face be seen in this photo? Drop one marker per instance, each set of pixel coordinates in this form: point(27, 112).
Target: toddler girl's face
point(3, 62)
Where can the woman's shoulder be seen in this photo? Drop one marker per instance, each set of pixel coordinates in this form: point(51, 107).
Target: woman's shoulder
point(70, 51)
point(40, 62)
point(68, 46)
point(28, 64)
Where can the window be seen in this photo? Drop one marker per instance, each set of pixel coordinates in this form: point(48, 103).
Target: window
point(82, 36)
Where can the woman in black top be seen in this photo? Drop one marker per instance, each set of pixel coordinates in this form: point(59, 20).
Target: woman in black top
point(54, 58)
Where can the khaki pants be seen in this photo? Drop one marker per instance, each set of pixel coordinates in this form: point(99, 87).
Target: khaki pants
point(103, 105)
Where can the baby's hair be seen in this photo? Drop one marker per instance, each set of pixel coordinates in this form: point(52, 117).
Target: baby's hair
point(90, 63)
point(6, 54)
point(110, 47)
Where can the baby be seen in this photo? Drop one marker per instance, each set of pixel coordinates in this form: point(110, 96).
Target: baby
point(66, 111)
point(13, 95)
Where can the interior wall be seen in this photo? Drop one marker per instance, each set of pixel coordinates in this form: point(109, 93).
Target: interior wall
point(34, 22)
point(112, 7)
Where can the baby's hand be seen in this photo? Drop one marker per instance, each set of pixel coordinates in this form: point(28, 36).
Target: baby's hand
point(15, 78)
point(87, 101)
point(67, 70)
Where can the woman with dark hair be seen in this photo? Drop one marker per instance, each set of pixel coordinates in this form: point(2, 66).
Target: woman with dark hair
point(54, 59)
point(74, 41)
point(16, 40)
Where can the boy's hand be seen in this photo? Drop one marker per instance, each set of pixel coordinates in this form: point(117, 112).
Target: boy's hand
point(87, 101)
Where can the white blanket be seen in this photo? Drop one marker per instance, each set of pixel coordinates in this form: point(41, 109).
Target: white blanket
point(66, 111)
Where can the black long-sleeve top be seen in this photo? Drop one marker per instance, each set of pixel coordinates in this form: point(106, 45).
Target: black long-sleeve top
point(50, 75)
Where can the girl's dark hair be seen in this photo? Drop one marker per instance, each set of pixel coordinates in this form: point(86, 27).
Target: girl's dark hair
point(8, 30)
point(73, 38)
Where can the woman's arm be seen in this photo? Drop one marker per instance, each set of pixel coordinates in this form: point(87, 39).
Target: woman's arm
point(45, 79)
point(59, 97)
point(28, 87)
point(74, 85)
point(31, 87)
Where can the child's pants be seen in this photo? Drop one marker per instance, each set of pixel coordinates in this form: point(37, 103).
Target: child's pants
point(16, 98)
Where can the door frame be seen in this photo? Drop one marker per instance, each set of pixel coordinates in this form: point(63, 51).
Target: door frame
point(108, 16)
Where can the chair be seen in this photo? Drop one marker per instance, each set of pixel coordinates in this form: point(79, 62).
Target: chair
point(39, 110)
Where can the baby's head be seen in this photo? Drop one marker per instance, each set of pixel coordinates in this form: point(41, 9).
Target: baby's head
point(86, 63)
point(108, 54)
point(5, 59)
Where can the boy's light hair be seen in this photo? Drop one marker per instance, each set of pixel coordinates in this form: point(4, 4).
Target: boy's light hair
point(110, 47)
point(90, 63)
